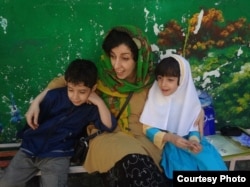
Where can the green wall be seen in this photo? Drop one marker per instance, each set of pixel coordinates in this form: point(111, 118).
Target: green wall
point(38, 38)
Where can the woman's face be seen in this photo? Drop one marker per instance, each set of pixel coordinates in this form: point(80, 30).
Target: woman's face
point(123, 63)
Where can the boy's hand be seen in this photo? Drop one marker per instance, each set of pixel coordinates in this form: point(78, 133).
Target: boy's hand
point(93, 98)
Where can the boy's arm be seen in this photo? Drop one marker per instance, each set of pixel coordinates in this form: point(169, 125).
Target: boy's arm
point(104, 112)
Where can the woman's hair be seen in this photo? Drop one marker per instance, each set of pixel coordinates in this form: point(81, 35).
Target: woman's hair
point(168, 67)
point(117, 37)
point(81, 71)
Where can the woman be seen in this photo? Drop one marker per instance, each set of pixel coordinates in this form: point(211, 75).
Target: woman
point(125, 66)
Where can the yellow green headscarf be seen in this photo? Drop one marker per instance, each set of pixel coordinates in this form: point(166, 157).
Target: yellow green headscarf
point(114, 91)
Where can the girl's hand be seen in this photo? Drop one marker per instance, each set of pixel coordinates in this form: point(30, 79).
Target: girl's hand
point(178, 141)
point(194, 146)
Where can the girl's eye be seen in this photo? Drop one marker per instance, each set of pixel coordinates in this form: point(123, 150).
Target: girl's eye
point(159, 77)
point(112, 55)
point(172, 79)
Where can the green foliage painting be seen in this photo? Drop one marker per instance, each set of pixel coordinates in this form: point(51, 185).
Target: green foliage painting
point(219, 53)
point(39, 38)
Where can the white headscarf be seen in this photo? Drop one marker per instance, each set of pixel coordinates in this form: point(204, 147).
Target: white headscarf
point(175, 113)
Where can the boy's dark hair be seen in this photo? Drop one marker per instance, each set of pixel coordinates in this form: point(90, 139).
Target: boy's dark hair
point(81, 71)
point(117, 37)
point(168, 67)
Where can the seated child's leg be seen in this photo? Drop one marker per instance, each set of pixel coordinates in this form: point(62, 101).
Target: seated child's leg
point(209, 158)
point(174, 158)
point(54, 171)
point(19, 171)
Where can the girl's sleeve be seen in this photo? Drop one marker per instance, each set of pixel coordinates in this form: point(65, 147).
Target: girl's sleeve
point(57, 82)
point(154, 135)
point(194, 135)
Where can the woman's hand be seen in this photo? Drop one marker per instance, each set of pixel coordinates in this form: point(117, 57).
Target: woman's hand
point(34, 109)
point(32, 115)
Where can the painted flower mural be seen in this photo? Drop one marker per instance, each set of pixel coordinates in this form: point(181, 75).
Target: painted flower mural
point(213, 35)
point(218, 50)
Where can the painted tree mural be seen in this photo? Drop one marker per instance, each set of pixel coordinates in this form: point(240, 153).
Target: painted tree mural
point(218, 51)
point(39, 38)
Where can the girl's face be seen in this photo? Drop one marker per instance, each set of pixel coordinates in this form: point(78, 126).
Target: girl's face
point(123, 63)
point(167, 85)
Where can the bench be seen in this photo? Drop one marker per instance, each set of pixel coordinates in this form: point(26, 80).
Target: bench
point(234, 152)
point(232, 161)
point(8, 150)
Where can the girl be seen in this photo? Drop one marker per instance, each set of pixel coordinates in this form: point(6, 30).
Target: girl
point(172, 106)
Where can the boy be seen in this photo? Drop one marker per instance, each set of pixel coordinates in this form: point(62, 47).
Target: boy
point(63, 114)
point(169, 116)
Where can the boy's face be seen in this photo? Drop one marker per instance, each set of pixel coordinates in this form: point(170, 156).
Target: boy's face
point(168, 85)
point(78, 93)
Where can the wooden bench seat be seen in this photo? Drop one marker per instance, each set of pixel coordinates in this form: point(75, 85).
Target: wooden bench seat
point(5, 157)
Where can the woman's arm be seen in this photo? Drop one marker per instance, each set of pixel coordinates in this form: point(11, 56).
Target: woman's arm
point(57, 82)
point(33, 111)
point(200, 122)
